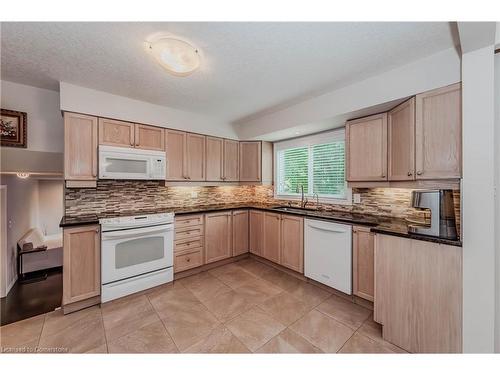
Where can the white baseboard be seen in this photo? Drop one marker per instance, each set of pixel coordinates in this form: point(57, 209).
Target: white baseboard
point(9, 287)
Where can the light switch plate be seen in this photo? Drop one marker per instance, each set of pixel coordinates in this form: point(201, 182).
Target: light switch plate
point(194, 194)
point(356, 198)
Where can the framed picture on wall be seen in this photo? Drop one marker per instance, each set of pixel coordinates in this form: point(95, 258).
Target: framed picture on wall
point(13, 128)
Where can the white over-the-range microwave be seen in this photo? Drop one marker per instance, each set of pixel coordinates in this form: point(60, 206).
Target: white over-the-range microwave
point(122, 163)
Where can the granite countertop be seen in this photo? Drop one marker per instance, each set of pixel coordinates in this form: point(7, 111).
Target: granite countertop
point(378, 224)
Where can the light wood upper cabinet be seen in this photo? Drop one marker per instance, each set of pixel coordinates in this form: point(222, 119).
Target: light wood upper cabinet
point(240, 232)
point(418, 294)
point(362, 262)
point(292, 242)
point(195, 157)
point(256, 232)
point(80, 147)
point(401, 144)
point(438, 135)
point(116, 133)
point(149, 137)
point(81, 263)
point(218, 235)
point(231, 160)
point(366, 148)
point(214, 159)
point(175, 142)
point(250, 161)
point(272, 237)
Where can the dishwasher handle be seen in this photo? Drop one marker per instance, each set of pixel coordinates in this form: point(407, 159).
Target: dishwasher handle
point(327, 229)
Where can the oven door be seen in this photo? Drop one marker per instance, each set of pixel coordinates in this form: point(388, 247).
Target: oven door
point(130, 166)
point(132, 252)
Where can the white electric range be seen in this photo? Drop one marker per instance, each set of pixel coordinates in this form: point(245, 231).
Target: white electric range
point(136, 253)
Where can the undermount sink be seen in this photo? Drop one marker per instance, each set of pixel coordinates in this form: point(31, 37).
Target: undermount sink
point(303, 209)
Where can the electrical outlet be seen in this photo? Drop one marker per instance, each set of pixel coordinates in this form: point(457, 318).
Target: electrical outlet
point(194, 194)
point(356, 198)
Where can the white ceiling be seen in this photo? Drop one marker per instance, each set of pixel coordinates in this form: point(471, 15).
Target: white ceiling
point(247, 68)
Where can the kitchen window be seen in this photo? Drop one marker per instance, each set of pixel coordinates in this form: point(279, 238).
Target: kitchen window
point(316, 163)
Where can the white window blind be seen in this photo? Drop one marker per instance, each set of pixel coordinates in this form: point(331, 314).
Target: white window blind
point(316, 163)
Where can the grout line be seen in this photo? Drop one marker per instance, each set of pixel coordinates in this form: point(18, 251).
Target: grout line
point(104, 331)
point(163, 323)
point(41, 331)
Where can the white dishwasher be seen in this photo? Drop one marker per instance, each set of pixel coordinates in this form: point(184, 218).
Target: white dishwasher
point(328, 253)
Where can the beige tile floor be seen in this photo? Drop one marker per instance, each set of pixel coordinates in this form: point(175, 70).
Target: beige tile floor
point(241, 307)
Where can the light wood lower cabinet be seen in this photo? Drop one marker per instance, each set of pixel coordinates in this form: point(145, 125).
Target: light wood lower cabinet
point(363, 262)
point(256, 232)
point(218, 235)
point(189, 242)
point(418, 294)
point(81, 263)
point(272, 237)
point(80, 147)
point(292, 242)
point(240, 232)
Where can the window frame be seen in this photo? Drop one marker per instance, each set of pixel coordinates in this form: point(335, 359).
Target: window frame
point(308, 141)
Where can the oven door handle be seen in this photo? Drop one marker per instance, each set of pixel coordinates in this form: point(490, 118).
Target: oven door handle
point(140, 232)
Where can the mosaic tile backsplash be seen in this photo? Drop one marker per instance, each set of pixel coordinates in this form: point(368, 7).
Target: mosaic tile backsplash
point(122, 196)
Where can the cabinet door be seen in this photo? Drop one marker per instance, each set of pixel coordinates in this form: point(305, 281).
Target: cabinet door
point(231, 160)
point(250, 161)
point(401, 144)
point(362, 262)
point(195, 157)
point(256, 232)
point(176, 148)
point(240, 232)
point(366, 148)
point(116, 133)
point(272, 237)
point(80, 147)
point(292, 242)
point(82, 263)
point(213, 156)
point(418, 294)
point(438, 133)
point(149, 137)
point(217, 236)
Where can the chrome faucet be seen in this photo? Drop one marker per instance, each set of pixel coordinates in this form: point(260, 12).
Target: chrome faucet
point(303, 201)
point(317, 199)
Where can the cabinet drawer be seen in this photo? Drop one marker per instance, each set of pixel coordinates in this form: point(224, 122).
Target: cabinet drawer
point(188, 232)
point(189, 243)
point(187, 260)
point(188, 221)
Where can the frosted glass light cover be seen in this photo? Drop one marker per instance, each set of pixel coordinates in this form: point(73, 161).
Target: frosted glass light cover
point(176, 56)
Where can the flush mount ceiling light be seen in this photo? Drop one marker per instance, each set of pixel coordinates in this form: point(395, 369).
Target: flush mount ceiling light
point(22, 175)
point(176, 56)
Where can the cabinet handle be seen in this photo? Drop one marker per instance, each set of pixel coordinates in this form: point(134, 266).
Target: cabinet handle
point(383, 175)
point(131, 143)
point(409, 173)
point(188, 259)
point(97, 230)
point(419, 172)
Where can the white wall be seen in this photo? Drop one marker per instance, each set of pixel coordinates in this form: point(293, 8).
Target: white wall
point(478, 195)
point(50, 209)
point(45, 123)
point(438, 70)
point(497, 196)
point(80, 99)
point(30, 203)
point(22, 214)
